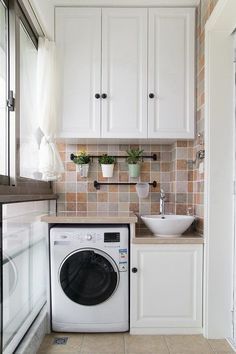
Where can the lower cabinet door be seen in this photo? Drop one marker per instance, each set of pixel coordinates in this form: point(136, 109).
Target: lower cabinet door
point(166, 288)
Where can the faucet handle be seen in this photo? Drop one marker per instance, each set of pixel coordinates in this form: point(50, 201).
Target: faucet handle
point(163, 195)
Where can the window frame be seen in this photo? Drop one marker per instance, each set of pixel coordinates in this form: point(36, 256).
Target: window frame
point(5, 179)
point(17, 14)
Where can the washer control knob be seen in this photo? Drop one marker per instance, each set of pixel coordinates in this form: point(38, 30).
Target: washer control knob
point(89, 237)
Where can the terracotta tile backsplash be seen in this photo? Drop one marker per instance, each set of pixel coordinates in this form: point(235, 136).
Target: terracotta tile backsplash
point(172, 171)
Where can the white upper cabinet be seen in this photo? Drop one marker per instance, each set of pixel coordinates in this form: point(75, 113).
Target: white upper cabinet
point(171, 73)
point(124, 73)
point(78, 41)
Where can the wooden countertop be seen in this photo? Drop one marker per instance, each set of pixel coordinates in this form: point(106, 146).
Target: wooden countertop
point(91, 218)
point(189, 238)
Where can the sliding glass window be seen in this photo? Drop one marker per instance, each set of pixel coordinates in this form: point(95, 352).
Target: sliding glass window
point(3, 93)
point(19, 128)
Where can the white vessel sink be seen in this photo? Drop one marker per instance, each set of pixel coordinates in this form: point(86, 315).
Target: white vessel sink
point(170, 226)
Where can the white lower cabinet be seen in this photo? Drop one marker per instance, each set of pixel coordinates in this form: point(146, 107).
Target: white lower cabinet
point(166, 289)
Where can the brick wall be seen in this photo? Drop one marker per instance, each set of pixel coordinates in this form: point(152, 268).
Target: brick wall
point(203, 12)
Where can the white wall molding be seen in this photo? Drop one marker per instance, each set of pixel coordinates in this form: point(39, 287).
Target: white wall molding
point(44, 9)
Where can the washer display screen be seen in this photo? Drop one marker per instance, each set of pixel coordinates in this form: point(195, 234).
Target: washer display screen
point(111, 237)
point(88, 277)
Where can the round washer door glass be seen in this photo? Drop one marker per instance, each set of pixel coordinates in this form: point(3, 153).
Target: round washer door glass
point(88, 277)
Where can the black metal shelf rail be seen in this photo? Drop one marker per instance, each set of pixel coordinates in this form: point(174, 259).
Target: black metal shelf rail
point(98, 184)
point(153, 157)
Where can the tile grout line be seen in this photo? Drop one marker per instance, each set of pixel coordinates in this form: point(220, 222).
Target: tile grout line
point(124, 344)
point(164, 337)
point(209, 344)
point(82, 342)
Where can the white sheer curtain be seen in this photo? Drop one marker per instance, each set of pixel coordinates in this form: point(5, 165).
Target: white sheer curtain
point(50, 164)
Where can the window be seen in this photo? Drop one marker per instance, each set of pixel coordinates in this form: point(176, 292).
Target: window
point(19, 133)
point(3, 93)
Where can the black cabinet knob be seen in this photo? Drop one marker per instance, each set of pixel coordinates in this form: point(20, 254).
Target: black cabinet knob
point(134, 270)
point(104, 95)
point(151, 95)
point(97, 95)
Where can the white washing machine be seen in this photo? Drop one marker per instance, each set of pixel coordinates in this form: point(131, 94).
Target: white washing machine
point(90, 278)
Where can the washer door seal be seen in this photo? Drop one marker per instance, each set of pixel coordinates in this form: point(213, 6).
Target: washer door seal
point(88, 276)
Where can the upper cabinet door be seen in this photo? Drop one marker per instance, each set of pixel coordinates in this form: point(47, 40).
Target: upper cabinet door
point(124, 73)
point(171, 73)
point(78, 41)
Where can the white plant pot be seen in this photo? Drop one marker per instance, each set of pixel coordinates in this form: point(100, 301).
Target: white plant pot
point(83, 169)
point(107, 170)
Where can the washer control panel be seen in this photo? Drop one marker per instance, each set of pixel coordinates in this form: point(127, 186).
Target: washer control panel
point(81, 237)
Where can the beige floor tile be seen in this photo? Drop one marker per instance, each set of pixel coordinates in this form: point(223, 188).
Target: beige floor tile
point(72, 346)
point(145, 345)
point(224, 352)
point(220, 345)
point(103, 343)
point(55, 351)
point(187, 351)
point(191, 344)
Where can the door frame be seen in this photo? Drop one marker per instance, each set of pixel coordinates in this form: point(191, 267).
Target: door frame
point(220, 165)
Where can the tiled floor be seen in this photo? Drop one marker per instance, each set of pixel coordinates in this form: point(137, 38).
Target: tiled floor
point(119, 343)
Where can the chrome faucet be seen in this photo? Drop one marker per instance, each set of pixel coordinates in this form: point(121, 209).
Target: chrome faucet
point(162, 203)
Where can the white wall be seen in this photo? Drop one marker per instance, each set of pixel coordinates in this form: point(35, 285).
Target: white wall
point(219, 229)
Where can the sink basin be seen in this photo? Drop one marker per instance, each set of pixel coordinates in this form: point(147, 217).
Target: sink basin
point(170, 226)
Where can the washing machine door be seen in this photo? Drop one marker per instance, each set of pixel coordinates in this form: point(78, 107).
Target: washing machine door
point(88, 276)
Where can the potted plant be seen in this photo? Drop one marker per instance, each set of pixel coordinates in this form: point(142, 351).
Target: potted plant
point(107, 164)
point(134, 156)
point(82, 159)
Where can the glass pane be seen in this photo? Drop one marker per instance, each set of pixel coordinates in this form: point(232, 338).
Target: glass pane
point(16, 306)
point(88, 278)
point(3, 91)
point(28, 116)
point(24, 268)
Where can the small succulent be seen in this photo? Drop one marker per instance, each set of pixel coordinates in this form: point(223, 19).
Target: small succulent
point(106, 160)
point(134, 156)
point(80, 158)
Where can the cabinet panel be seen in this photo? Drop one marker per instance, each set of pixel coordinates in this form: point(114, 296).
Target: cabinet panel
point(78, 41)
point(166, 292)
point(171, 73)
point(124, 73)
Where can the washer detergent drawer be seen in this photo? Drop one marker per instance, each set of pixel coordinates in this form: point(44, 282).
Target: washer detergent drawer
point(90, 279)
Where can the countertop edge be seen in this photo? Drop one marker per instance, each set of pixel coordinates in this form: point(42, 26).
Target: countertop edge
point(8, 199)
point(186, 241)
point(89, 219)
point(192, 238)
